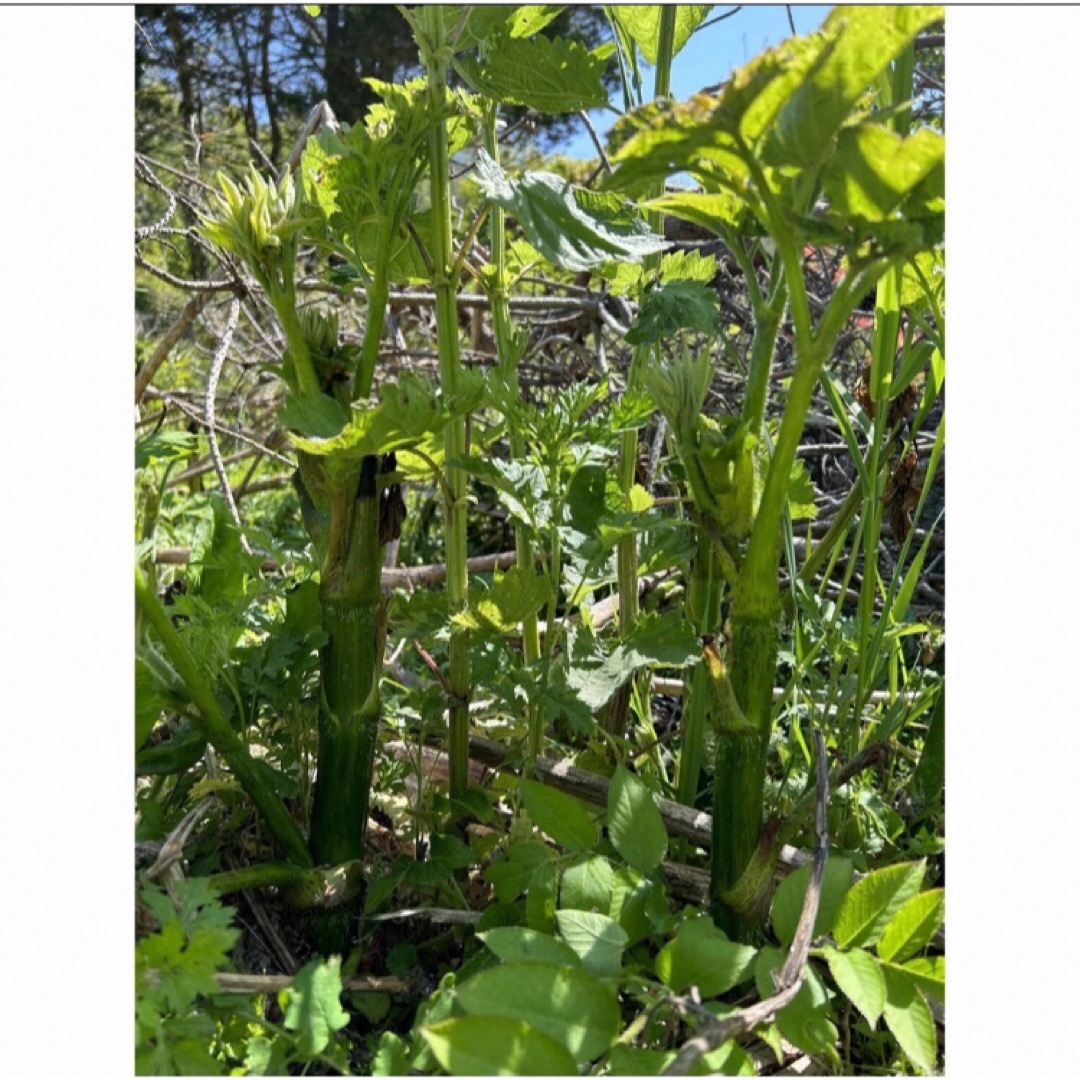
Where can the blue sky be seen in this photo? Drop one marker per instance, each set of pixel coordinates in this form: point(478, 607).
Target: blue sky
point(712, 53)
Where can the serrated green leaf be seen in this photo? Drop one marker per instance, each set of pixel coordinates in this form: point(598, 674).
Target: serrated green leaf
point(677, 305)
point(872, 901)
point(496, 1046)
point(496, 916)
point(585, 497)
point(561, 816)
point(470, 24)
point(913, 927)
point(597, 939)
point(510, 877)
point(408, 410)
point(551, 76)
point(716, 211)
point(931, 264)
point(928, 974)
point(855, 45)
point(874, 170)
point(587, 884)
point(701, 955)
point(519, 943)
point(572, 227)
point(790, 895)
point(501, 609)
point(314, 1007)
point(687, 266)
point(565, 1003)
point(667, 639)
point(635, 826)
point(641, 23)
point(909, 1019)
point(859, 976)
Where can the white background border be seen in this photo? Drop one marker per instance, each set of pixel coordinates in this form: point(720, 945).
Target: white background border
point(66, 282)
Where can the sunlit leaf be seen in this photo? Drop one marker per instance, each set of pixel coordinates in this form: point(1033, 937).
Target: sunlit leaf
point(859, 976)
point(314, 1007)
point(913, 927)
point(561, 816)
point(641, 23)
point(496, 1046)
point(634, 823)
point(701, 955)
point(909, 1018)
point(566, 1003)
point(572, 227)
point(597, 939)
point(855, 45)
point(551, 76)
point(874, 169)
point(873, 900)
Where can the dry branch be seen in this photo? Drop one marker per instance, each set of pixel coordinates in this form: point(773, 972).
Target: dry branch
point(399, 578)
point(236, 983)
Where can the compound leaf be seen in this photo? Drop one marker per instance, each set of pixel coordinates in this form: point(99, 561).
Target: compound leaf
point(872, 901)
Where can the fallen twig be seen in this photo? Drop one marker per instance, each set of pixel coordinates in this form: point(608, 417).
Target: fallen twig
point(238, 983)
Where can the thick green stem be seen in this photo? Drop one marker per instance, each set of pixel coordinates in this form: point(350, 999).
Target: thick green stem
point(741, 754)
point(703, 610)
point(457, 582)
point(353, 617)
point(217, 730)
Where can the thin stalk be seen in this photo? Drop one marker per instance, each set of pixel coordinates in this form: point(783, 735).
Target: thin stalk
point(824, 548)
point(508, 355)
point(882, 365)
point(378, 292)
point(457, 582)
point(626, 554)
point(284, 305)
point(767, 318)
point(217, 730)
